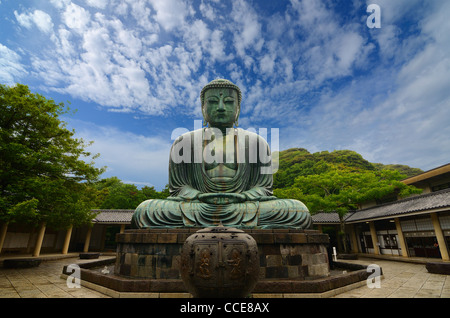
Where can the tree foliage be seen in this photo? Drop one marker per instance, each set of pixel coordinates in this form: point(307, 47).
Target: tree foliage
point(114, 194)
point(405, 170)
point(43, 172)
point(296, 162)
point(338, 181)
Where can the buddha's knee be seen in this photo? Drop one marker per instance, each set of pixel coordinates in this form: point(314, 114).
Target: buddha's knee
point(284, 204)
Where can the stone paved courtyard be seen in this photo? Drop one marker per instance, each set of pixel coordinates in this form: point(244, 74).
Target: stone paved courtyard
point(400, 280)
point(42, 282)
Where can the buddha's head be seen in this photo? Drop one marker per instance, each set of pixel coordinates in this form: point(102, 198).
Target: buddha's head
point(221, 103)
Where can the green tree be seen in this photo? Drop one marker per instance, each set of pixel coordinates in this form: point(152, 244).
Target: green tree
point(112, 193)
point(122, 196)
point(341, 189)
point(43, 173)
point(296, 162)
point(151, 193)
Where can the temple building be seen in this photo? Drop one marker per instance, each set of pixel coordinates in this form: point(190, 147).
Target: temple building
point(417, 226)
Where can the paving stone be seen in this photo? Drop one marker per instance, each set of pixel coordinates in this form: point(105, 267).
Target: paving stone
point(403, 292)
point(428, 293)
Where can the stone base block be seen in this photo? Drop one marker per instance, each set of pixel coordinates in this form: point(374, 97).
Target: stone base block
point(283, 253)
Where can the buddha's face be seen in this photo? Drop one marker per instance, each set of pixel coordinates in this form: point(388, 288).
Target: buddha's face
point(221, 107)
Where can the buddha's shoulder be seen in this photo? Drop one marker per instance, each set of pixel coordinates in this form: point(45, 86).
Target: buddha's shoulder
point(199, 133)
point(185, 135)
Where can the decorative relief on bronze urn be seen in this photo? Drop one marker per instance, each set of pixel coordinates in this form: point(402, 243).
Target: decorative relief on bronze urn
point(220, 262)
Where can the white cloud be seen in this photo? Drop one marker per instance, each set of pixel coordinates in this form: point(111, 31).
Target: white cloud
point(246, 29)
point(100, 4)
point(267, 64)
point(60, 3)
point(76, 18)
point(142, 15)
point(171, 14)
point(388, 41)
point(330, 48)
point(41, 19)
point(110, 60)
point(208, 11)
point(11, 69)
point(96, 59)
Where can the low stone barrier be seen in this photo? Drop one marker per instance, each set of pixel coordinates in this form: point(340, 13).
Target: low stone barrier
point(21, 262)
point(438, 268)
point(89, 255)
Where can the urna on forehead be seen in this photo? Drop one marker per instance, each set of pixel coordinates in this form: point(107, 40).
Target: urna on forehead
point(220, 83)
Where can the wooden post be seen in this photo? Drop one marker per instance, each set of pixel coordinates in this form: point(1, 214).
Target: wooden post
point(401, 238)
point(354, 238)
point(65, 248)
point(39, 240)
point(373, 234)
point(122, 228)
point(440, 237)
point(31, 241)
point(3, 231)
point(88, 239)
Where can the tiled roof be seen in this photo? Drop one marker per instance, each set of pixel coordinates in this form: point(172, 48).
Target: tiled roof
point(113, 216)
point(325, 217)
point(425, 202)
point(124, 216)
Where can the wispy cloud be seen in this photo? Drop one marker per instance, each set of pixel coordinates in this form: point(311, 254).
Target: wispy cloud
point(11, 67)
point(42, 20)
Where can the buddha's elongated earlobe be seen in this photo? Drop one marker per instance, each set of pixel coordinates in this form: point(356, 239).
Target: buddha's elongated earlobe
point(204, 123)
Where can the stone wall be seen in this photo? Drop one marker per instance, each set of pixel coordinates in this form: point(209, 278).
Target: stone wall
point(284, 254)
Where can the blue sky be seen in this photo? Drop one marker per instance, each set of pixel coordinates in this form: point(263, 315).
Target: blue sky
point(311, 68)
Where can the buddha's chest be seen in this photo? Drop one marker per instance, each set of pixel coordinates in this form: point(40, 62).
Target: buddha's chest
point(220, 157)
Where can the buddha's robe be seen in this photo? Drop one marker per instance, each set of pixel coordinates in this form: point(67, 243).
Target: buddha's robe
point(196, 167)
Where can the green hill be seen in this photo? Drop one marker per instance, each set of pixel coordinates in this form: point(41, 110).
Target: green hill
point(403, 169)
point(296, 162)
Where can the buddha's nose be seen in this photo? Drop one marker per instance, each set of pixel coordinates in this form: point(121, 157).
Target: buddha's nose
point(221, 107)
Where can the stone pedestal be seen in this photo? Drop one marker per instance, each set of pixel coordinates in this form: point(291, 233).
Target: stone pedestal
point(284, 254)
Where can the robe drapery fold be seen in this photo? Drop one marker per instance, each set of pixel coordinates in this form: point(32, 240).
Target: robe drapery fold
point(188, 178)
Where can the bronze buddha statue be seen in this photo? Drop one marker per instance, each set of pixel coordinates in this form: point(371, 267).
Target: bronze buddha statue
point(221, 175)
